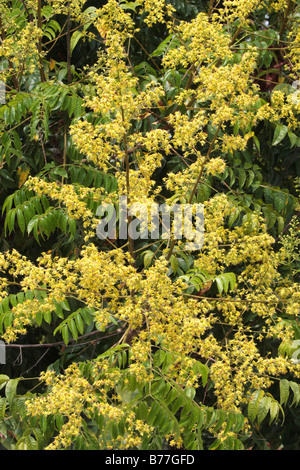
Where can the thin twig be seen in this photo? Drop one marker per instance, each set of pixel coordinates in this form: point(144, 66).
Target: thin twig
point(39, 359)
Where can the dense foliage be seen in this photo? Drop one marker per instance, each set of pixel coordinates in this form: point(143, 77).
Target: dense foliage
point(140, 343)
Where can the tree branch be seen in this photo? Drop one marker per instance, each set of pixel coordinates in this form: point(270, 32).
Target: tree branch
point(39, 22)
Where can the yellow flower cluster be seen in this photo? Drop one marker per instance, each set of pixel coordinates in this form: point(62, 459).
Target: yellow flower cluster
point(74, 8)
point(73, 198)
point(187, 132)
point(119, 101)
point(19, 47)
point(156, 11)
point(202, 42)
point(285, 107)
point(112, 18)
point(147, 301)
point(215, 166)
point(242, 367)
point(278, 5)
point(103, 276)
point(231, 143)
point(180, 182)
point(75, 398)
point(163, 314)
point(235, 9)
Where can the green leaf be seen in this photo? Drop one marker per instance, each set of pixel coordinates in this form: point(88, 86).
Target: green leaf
point(280, 224)
point(232, 280)
point(242, 177)
point(76, 36)
point(174, 263)
point(153, 412)
point(72, 226)
point(219, 284)
point(7, 205)
point(253, 404)
point(72, 328)
point(280, 200)
point(10, 221)
point(59, 311)
point(224, 281)
point(148, 256)
point(86, 315)
point(48, 317)
point(60, 172)
point(239, 422)
point(215, 445)
point(142, 411)
point(293, 138)
point(159, 358)
point(190, 392)
point(177, 403)
point(203, 370)
point(21, 407)
point(279, 134)
point(32, 224)
point(296, 391)
point(263, 408)
point(222, 417)
point(172, 395)
point(257, 142)
point(11, 389)
point(130, 5)
point(169, 43)
point(65, 305)
point(274, 410)
point(168, 361)
point(3, 430)
point(284, 388)
point(79, 322)
point(43, 423)
point(3, 380)
point(3, 403)
point(39, 317)
point(65, 334)
point(234, 215)
point(8, 319)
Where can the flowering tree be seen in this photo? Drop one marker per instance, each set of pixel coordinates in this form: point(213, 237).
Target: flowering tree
point(142, 343)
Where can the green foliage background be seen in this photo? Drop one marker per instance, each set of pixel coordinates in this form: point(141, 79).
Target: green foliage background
point(35, 140)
